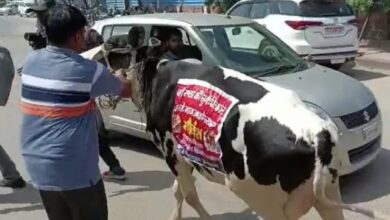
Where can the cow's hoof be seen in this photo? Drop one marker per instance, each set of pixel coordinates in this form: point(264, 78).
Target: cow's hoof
point(175, 216)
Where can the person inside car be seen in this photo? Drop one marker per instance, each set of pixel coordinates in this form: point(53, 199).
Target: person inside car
point(173, 45)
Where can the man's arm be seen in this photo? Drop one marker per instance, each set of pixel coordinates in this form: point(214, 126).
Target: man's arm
point(106, 83)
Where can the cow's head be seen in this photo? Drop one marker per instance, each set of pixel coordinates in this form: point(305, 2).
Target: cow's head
point(117, 54)
point(142, 74)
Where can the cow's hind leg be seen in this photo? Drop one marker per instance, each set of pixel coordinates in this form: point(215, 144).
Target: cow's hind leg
point(267, 201)
point(186, 190)
point(330, 212)
point(177, 212)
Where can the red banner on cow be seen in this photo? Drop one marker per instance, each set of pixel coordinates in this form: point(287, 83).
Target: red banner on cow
point(198, 115)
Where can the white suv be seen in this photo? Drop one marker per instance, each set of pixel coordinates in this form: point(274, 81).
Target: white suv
point(23, 8)
point(324, 31)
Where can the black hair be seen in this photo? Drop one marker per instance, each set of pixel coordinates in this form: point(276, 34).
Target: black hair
point(62, 22)
point(175, 32)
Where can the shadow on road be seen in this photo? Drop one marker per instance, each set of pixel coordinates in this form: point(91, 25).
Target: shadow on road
point(245, 215)
point(134, 144)
point(370, 183)
point(363, 75)
point(27, 195)
point(146, 181)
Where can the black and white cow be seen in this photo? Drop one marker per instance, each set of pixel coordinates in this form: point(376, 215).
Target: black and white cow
point(278, 156)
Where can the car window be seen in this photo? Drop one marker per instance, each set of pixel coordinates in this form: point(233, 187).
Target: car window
point(249, 49)
point(241, 10)
point(189, 50)
point(260, 10)
point(120, 30)
point(247, 38)
point(315, 8)
point(186, 40)
point(287, 8)
point(106, 33)
point(160, 31)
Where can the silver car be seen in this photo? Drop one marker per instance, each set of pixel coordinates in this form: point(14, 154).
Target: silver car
point(246, 46)
point(9, 9)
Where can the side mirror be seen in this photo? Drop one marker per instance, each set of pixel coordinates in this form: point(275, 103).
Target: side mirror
point(236, 31)
point(154, 42)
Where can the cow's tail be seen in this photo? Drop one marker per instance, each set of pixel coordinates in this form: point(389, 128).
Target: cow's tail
point(322, 177)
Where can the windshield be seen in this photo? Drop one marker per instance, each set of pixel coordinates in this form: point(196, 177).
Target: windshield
point(316, 8)
point(250, 49)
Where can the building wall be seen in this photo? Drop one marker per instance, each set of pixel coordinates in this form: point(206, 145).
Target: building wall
point(118, 4)
point(162, 4)
point(170, 3)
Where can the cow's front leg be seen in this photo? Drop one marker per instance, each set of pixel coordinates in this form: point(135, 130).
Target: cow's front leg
point(177, 211)
point(188, 189)
point(184, 188)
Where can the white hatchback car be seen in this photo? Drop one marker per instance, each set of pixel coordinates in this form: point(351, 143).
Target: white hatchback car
point(238, 43)
point(322, 30)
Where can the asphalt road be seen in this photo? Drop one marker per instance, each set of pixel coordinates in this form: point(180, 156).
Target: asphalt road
point(146, 195)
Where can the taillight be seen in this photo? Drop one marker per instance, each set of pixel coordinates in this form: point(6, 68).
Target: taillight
point(354, 22)
point(302, 25)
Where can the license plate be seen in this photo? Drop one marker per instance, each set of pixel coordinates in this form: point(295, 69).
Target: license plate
point(370, 131)
point(337, 61)
point(333, 30)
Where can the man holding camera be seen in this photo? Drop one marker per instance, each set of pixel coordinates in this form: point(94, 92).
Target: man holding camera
point(38, 40)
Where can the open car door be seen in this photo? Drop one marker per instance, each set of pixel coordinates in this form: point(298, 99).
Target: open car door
point(125, 117)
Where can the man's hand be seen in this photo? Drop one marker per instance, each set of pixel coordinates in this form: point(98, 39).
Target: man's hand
point(126, 90)
point(121, 74)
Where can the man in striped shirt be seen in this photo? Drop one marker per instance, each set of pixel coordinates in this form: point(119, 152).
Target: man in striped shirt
point(59, 134)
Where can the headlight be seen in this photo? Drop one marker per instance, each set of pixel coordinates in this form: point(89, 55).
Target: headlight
point(318, 111)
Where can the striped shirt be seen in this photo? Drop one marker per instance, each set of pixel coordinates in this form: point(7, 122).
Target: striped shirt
point(59, 132)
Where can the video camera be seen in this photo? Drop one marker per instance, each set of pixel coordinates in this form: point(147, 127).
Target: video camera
point(35, 40)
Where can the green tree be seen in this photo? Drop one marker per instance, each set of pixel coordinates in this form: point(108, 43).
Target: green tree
point(366, 6)
point(386, 4)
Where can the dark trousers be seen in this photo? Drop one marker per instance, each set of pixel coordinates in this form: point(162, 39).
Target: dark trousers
point(80, 204)
point(104, 144)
